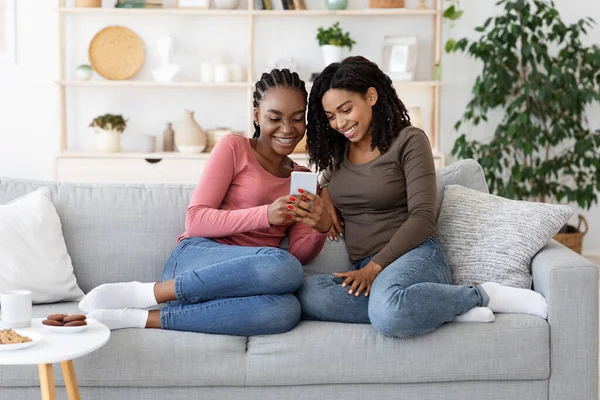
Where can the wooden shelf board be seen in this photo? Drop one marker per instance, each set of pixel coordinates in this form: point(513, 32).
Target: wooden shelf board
point(134, 83)
point(266, 13)
point(137, 155)
point(149, 11)
point(152, 84)
point(338, 13)
point(156, 155)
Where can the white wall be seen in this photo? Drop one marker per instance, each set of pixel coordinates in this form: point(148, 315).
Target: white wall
point(29, 114)
point(28, 96)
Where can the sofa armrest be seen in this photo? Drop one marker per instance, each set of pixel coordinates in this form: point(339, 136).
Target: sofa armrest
point(570, 284)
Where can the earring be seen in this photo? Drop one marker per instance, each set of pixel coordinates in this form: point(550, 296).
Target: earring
point(256, 130)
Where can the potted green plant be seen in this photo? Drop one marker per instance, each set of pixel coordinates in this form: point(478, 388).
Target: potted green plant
point(333, 42)
point(538, 73)
point(109, 128)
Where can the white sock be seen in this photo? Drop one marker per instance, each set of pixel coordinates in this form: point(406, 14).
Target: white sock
point(506, 299)
point(476, 314)
point(119, 295)
point(120, 319)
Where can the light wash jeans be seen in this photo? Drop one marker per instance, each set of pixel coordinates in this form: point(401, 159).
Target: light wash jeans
point(411, 296)
point(231, 290)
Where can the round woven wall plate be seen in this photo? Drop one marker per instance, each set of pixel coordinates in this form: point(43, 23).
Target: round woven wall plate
point(116, 53)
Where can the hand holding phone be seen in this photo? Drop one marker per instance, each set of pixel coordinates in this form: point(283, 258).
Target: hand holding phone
point(306, 181)
point(306, 204)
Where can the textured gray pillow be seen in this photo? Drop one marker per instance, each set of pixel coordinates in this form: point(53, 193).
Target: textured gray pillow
point(489, 238)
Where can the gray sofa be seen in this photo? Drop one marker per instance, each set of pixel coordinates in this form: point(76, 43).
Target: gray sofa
point(126, 232)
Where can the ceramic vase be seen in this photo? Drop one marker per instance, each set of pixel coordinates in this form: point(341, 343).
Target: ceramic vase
point(189, 136)
point(108, 141)
point(84, 73)
point(169, 138)
point(227, 4)
point(336, 4)
point(332, 54)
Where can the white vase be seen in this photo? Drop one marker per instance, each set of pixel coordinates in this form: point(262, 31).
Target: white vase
point(190, 138)
point(108, 141)
point(332, 54)
point(227, 4)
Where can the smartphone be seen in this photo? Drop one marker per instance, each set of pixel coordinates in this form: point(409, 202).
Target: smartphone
point(305, 181)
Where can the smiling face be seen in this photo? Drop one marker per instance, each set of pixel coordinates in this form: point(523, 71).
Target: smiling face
point(281, 117)
point(350, 113)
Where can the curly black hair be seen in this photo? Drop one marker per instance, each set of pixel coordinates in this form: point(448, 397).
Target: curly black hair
point(356, 74)
point(276, 78)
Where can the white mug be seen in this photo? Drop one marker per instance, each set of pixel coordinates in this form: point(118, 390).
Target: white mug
point(16, 309)
point(221, 73)
point(236, 73)
point(207, 72)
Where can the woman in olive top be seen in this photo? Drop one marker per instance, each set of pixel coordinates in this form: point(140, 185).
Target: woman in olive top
point(379, 183)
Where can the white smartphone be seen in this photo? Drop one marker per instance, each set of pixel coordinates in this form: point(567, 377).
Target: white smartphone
point(305, 181)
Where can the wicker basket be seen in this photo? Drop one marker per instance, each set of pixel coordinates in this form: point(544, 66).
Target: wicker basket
point(573, 238)
point(88, 3)
point(386, 3)
point(116, 53)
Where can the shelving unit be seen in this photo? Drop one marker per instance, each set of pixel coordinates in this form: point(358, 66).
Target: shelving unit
point(147, 167)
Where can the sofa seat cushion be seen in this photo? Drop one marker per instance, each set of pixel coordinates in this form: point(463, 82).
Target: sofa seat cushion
point(148, 358)
point(514, 347)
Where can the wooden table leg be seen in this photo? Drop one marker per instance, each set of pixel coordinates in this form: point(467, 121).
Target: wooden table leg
point(47, 382)
point(70, 380)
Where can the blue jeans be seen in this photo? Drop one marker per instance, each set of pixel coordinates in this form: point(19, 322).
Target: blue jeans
point(411, 296)
point(231, 290)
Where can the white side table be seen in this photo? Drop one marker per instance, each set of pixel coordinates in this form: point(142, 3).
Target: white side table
point(60, 348)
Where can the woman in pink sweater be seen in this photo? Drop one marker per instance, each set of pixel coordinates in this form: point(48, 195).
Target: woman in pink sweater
point(227, 274)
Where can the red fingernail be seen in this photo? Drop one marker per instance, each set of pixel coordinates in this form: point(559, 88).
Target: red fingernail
point(300, 191)
point(290, 207)
point(289, 216)
point(292, 199)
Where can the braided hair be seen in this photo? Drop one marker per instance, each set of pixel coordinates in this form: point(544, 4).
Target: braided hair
point(276, 78)
point(356, 74)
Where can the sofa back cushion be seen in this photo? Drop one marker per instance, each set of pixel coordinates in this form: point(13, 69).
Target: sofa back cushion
point(113, 232)
point(117, 232)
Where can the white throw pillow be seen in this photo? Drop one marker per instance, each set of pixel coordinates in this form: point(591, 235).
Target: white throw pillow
point(487, 238)
point(33, 254)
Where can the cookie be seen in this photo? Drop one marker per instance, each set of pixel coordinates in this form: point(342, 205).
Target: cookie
point(8, 336)
point(52, 322)
point(57, 317)
point(72, 318)
point(75, 323)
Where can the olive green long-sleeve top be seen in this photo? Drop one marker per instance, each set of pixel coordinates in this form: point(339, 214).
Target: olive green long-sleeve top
point(389, 203)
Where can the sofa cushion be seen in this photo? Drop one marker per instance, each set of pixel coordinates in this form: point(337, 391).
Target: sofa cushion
point(467, 173)
point(515, 347)
point(147, 357)
point(488, 238)
point(33, 254)
point(113, 232)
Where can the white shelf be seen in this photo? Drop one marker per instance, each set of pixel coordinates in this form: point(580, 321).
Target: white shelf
point(97, 154)
point(152, 84)
point(339, 13)
point(149, 11)
point(157, 155)
point(263, 13)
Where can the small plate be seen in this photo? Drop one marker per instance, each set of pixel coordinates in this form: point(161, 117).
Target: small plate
point(34, 336)
point(70, 329)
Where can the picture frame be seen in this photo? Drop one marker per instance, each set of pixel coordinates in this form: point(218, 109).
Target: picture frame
point(400, 57)
point(7, 31)
point(193, 4)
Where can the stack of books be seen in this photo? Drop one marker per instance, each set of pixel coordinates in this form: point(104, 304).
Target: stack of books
point(139, 4)
point(280, 5)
